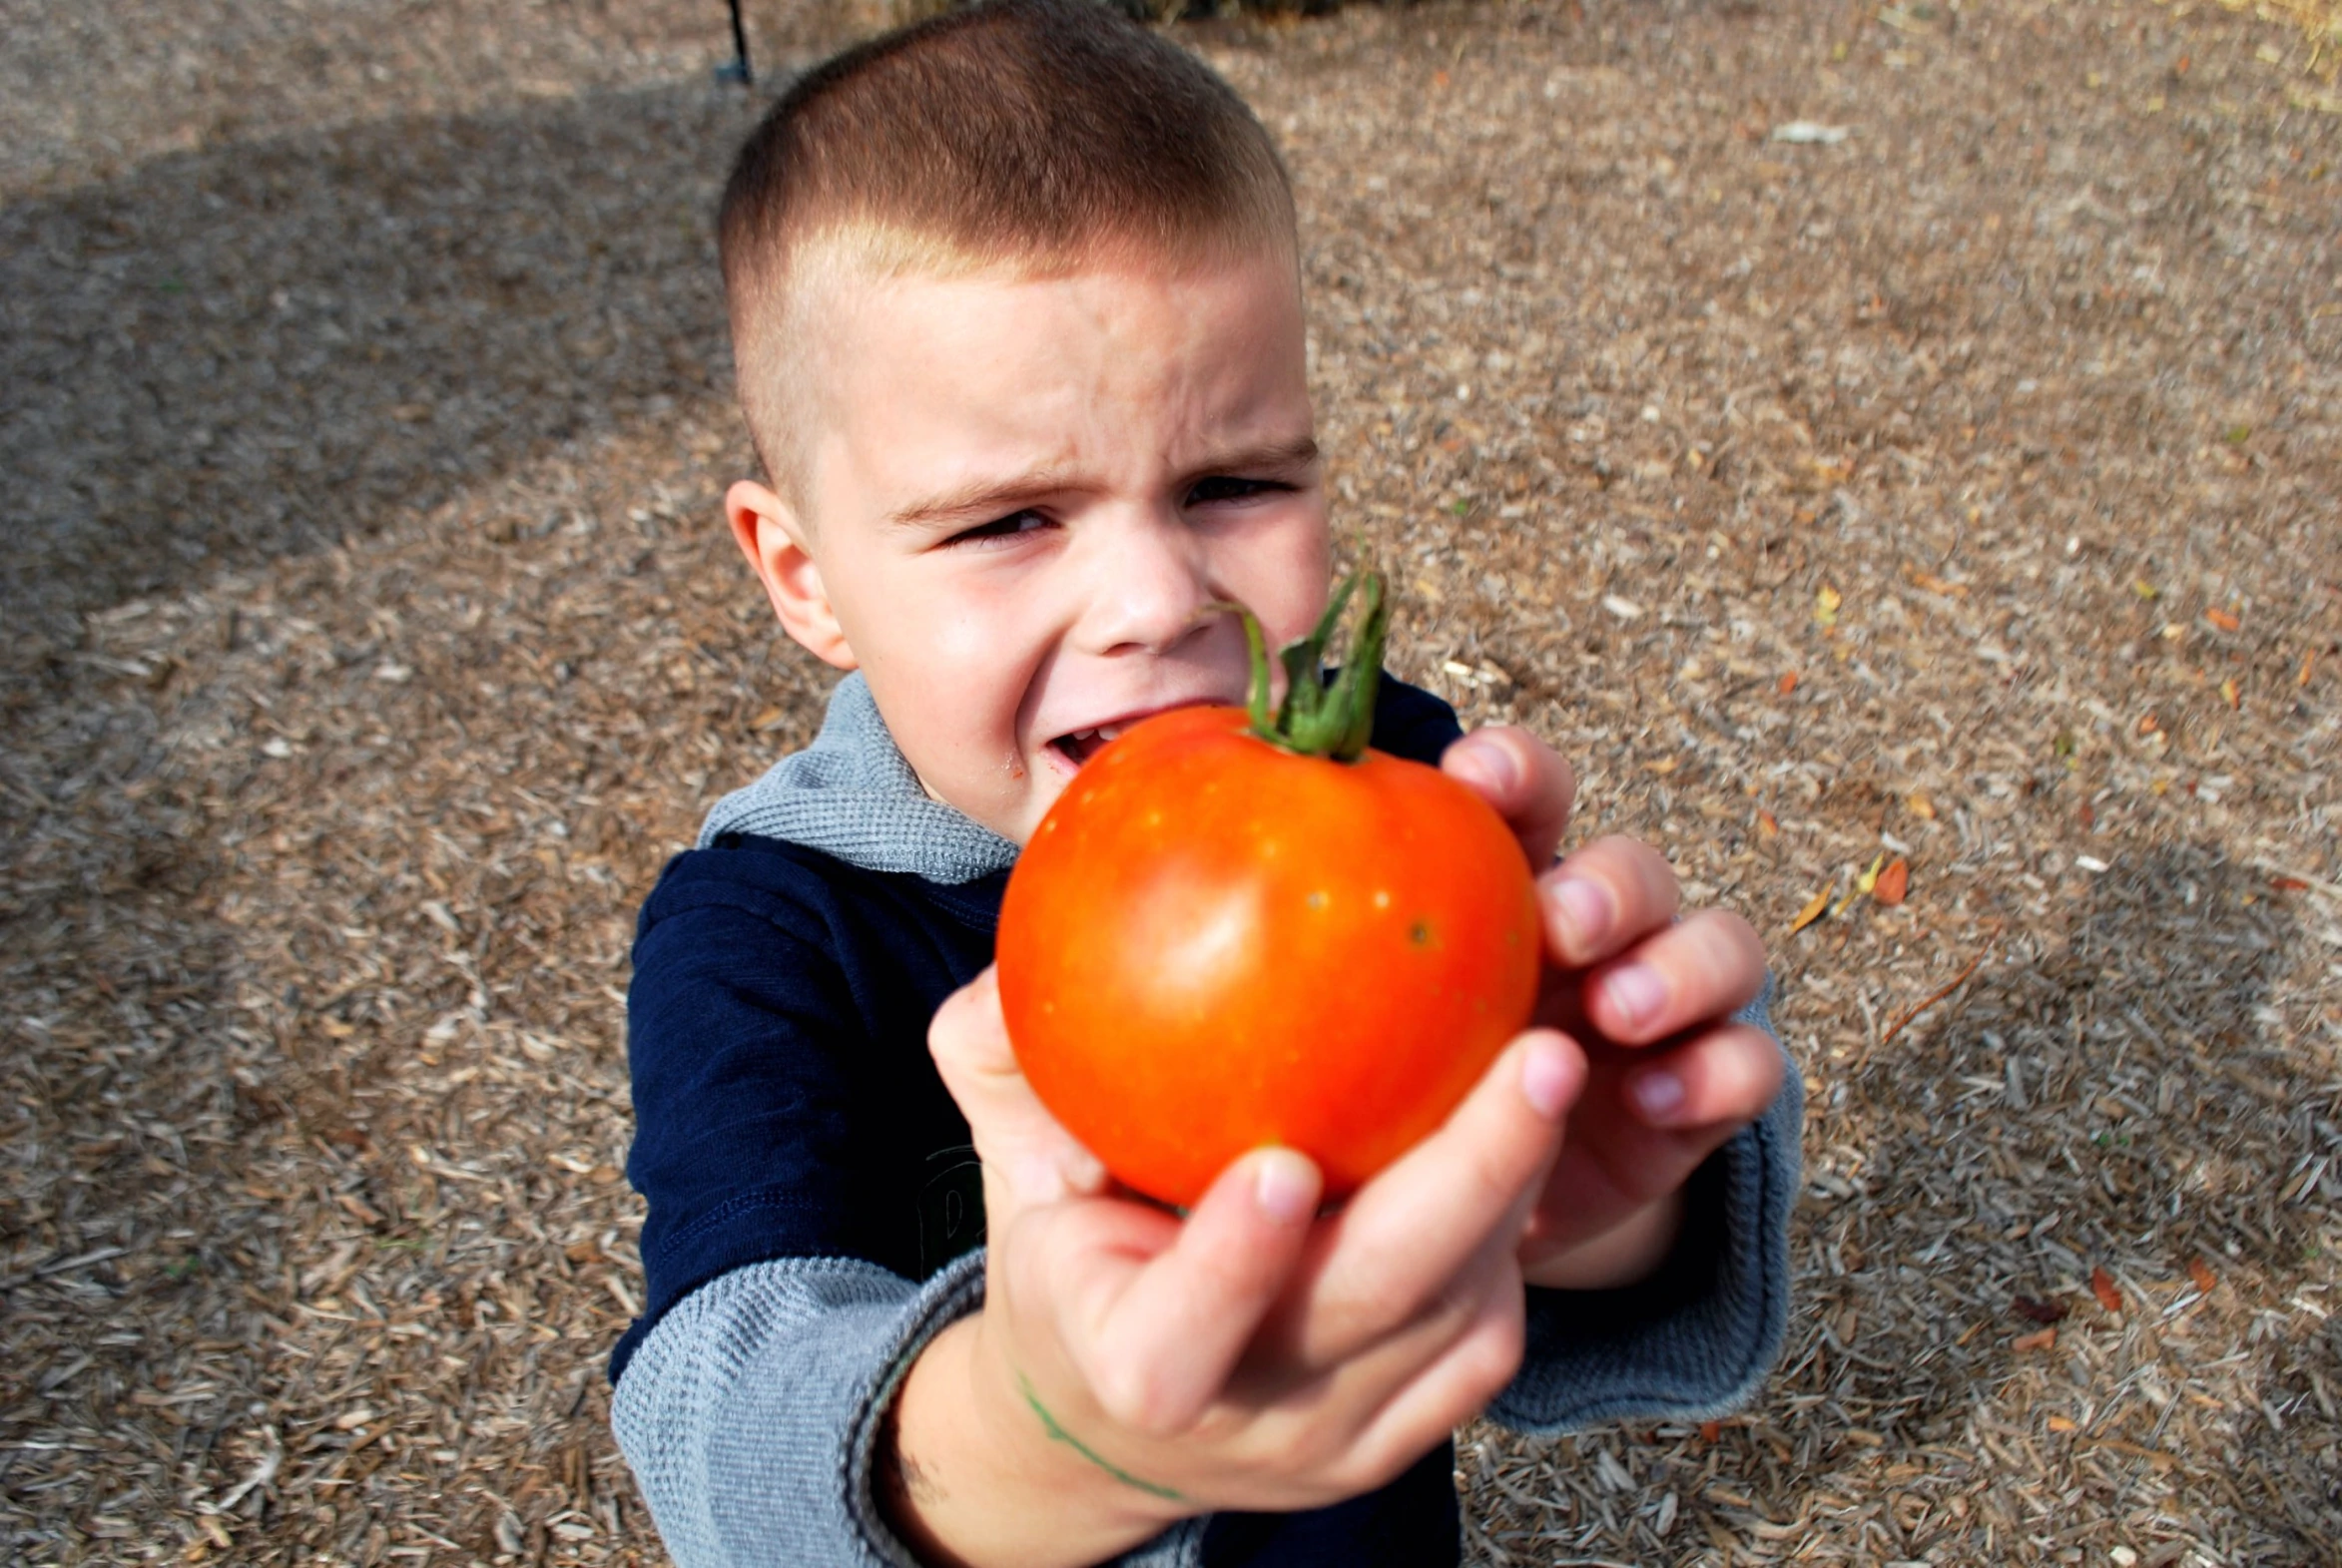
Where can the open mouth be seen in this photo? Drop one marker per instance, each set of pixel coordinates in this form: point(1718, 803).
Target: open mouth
point(1082, 744)
point(1079, 746)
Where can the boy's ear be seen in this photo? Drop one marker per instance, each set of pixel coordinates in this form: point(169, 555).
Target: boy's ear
point(772, 538)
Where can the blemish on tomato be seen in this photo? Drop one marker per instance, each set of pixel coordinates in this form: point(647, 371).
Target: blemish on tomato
point(1420, 933)
point(1318, 900)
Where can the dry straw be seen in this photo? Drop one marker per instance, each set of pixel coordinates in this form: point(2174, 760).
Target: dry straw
point(371, 642)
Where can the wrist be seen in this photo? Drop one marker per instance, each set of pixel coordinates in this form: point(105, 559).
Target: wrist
point(1053, 1442)
point(1627, 1254)
point(969, 1476)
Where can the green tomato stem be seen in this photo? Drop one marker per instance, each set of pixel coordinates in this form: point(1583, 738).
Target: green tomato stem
point(1318, 719)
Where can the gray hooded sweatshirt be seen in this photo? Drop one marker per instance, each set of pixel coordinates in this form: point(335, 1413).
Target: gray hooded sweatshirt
point(750, 1412)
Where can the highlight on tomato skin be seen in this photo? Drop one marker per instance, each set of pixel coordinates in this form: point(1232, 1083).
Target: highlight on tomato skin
point(1215, 940)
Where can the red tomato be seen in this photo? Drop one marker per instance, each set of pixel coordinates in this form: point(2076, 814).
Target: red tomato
point(1213, 943)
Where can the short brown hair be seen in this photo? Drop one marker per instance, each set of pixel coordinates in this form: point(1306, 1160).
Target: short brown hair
point(1039, 133)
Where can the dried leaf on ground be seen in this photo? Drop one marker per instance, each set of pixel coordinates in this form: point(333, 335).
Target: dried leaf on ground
point(1814, 909)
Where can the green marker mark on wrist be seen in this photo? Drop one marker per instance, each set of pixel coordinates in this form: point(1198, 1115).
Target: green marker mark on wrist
point(1059, 1435)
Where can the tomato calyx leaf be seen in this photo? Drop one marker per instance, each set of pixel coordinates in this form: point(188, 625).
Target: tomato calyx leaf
point(1320, 718)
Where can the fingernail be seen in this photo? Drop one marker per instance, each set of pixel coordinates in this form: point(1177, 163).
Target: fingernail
point(1659, 1094)
point(1084, 1173)
point(1285, 1185)
point(1636, 993)
point(1545, 1077)
point(1492, 764)
point(1586, 910)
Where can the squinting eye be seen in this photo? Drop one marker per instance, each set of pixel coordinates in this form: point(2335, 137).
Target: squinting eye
point(1224, 487)
point(1000, 528)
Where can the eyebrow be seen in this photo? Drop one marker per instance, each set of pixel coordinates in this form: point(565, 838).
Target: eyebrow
point(1002, 496)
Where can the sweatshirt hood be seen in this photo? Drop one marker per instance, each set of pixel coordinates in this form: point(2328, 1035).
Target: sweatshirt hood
point(853, 795)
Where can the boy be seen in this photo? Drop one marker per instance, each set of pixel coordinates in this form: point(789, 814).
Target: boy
point(1016, 302)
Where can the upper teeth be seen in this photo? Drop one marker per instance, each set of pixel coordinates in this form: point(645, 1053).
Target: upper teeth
point(1102, 734)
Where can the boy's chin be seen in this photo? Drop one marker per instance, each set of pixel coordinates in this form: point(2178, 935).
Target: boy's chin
point(1013, 812)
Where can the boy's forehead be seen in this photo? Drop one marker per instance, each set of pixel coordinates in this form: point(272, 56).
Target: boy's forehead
point(854, 279)
point(1033, 360)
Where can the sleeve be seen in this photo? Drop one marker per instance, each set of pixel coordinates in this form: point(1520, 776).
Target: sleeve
point(1698, 1336)
point(751, 1392)
point(751, 1414)
point(738, 1024)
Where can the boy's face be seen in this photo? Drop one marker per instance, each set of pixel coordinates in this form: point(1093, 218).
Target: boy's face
point(1019, 496)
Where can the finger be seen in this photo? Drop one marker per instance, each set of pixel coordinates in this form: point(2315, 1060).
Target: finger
point(1708, 967)
point(1623, 1159)
point(1630, 1247)
point(1526, 781)
point(1720, 1081)
point(1603, 897)
point(1293, 1409)
point(1166, 1344)
point(1407, 1233)
point(1014, 1134)
point(1471, 1369)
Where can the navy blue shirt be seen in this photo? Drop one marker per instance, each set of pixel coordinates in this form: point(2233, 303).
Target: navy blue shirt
point(786, 1106)
point(777, 1031)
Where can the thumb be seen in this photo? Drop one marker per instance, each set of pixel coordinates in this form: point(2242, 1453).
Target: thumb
point(1178, 1327)
point(1527, 781)
point(1015, 1137)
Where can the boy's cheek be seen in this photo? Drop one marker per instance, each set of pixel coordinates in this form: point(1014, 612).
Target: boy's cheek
point(1294, 569)
point(978, 767)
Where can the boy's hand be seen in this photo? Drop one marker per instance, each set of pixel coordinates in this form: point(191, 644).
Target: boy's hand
point(1650, 999)
point(1130, 1367)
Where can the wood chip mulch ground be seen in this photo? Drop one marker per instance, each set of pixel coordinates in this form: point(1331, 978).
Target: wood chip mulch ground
point(1895, 450)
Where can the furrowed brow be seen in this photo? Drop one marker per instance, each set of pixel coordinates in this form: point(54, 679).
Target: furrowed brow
point(977, 498)
point(1283, 454)
point(997, 497)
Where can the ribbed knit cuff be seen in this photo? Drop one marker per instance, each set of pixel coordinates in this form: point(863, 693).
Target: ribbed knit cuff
point(956, 1291)
point(1698, 1336)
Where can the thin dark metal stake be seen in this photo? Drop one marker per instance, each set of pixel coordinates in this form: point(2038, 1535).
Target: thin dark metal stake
point(738, 70)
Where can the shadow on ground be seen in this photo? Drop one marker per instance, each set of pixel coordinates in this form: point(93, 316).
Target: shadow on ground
point(221, 358)
point(2135, 1099)
point(254, 348)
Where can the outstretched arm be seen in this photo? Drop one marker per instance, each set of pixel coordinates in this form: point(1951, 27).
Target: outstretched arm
point(1131, 1368)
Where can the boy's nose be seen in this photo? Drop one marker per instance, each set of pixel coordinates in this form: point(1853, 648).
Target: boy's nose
point(1150, 583)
